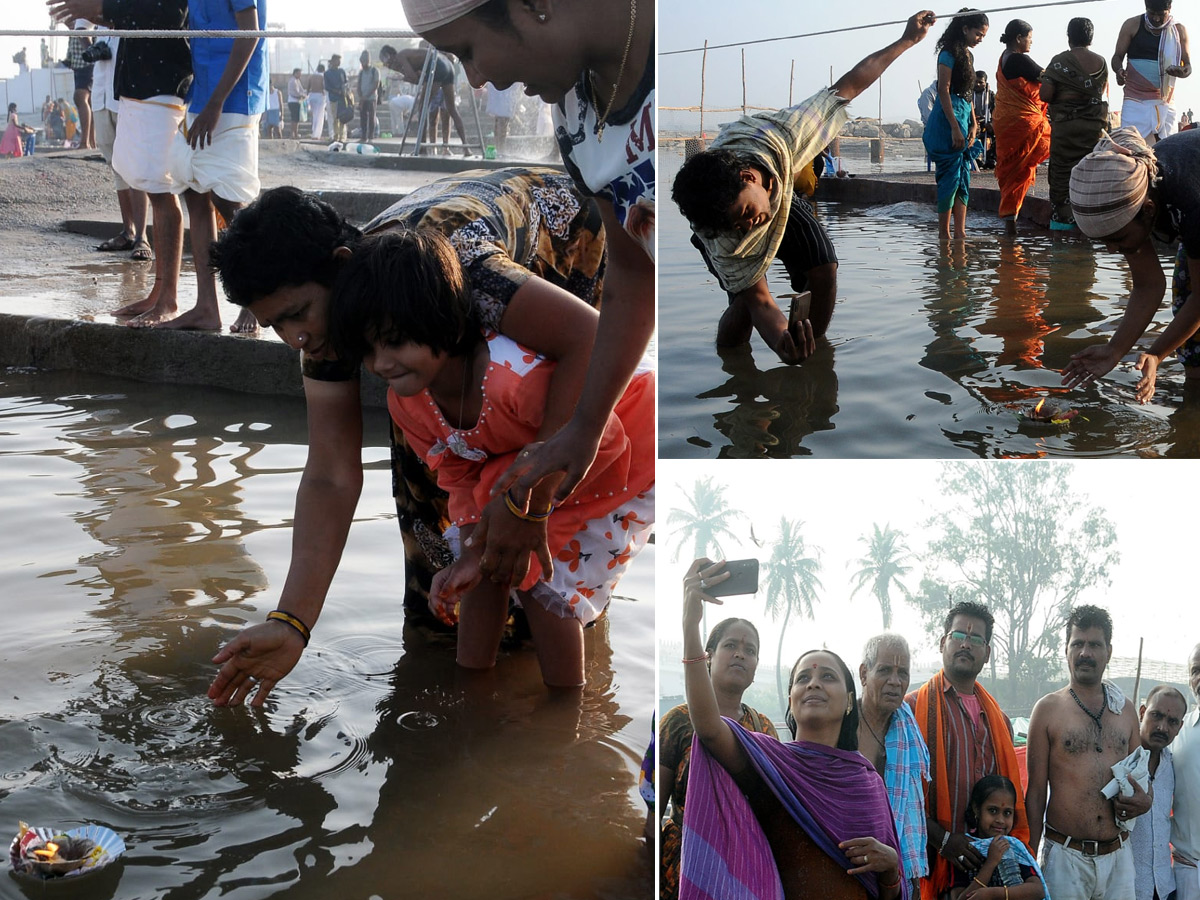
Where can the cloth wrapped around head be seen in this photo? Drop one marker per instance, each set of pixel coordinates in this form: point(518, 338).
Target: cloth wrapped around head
point(1109, 185)
point(425, 15)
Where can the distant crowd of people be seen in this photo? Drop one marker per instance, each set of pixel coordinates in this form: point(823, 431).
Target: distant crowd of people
point(1057, 112)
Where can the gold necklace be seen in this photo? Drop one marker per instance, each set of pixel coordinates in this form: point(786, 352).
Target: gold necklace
point(620, 73)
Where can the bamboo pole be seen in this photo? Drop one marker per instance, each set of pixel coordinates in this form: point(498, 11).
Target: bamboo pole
point(791, 82)
point(743, 82)
point(703, 65)
point(1137, 681)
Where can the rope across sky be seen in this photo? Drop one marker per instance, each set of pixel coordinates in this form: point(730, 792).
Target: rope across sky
point(789, 37)
point(226, 33)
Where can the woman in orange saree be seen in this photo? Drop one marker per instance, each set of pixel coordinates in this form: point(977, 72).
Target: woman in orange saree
point(1020, 120)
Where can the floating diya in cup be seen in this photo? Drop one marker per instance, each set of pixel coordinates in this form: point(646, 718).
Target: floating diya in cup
point(45, 853)
point(1050, 413)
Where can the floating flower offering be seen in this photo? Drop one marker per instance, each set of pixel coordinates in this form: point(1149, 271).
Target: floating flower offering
point(45, 853)
point(1051, 413)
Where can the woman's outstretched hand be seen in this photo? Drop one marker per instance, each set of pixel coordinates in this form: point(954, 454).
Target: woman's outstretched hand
point(702, 575)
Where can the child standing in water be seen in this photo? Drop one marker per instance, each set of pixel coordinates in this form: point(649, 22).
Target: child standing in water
point(469, 403)
point(1009, 870)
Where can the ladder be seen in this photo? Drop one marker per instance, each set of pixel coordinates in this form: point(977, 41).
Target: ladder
point(425, 90)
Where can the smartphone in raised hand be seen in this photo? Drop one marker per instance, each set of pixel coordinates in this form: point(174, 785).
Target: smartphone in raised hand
point(743, 579)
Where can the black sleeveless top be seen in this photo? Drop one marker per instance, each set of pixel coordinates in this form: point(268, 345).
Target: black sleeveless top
point(1144, 44)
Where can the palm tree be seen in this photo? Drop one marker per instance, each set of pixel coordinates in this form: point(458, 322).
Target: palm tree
point(791, 585)
point(704, 523)
point(882, 567)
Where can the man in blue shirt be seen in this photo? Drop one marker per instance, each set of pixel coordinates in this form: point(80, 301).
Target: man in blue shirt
point(216, 163)
point(220, 150)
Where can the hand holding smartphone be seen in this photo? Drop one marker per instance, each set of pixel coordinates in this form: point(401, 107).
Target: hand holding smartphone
point(743, 579)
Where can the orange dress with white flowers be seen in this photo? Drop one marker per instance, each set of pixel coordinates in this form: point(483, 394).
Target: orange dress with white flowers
point(606, 520)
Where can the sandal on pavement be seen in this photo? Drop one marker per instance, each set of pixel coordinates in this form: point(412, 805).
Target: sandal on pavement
point(121, 242)
point(141, 252)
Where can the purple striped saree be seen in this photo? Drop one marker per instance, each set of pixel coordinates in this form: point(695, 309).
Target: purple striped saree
point(834, 795)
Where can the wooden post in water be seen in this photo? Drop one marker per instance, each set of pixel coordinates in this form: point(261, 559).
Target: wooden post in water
point(703, 66)
point(1137, 681)
point(877, 145)
point(743, 81)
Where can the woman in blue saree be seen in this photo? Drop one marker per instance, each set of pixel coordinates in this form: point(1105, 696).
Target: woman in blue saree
point(950, 131)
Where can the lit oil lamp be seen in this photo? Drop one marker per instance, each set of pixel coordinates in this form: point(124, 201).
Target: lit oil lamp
point(1051, 414)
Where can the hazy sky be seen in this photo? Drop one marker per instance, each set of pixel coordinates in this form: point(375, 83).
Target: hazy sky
point(688, 23)
point(838, 501)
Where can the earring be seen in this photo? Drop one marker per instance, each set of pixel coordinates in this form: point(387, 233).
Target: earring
point(541, 17)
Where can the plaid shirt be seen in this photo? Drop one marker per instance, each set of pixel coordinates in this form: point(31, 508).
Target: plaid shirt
point(905, 776)
point(781, 143)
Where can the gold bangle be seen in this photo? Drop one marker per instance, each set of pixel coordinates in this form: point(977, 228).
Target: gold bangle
point(522, 514)
point(978, 882)
point(702, 658)
point(287, 618)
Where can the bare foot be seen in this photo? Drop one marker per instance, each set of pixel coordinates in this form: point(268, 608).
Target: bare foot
point(195, 320)
point(138, 307)
point(152, 318)
point(245, 324)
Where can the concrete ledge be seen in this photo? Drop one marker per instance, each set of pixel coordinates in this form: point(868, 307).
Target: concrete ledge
point(864, 191)
point(388, 158)
point(204, 359)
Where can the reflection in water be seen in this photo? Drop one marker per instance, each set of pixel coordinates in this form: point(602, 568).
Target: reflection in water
point(773, 411)
point(379, 765)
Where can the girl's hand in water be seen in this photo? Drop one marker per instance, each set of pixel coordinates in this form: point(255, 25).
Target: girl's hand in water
point(1147, 364)
point(450, 583)
point(703, 574)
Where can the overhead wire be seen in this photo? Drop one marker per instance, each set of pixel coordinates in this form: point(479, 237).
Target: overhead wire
point(790, 37)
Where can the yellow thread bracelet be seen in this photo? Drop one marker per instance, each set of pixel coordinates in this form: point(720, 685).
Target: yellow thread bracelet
point(522, 514)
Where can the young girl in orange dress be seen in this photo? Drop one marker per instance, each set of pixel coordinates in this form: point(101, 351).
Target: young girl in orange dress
point(469, 403)
point(1021, 122)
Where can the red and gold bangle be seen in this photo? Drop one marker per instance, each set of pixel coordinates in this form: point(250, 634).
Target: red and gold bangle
point(702, 658)
point(894, 884)
point(288, 619)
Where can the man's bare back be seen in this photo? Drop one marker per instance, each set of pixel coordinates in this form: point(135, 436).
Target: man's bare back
point(1081, 756)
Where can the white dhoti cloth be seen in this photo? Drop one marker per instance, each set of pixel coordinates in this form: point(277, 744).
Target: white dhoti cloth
point(142, 148)
point(1150, 117)
point(316, 112)
point(228, 167)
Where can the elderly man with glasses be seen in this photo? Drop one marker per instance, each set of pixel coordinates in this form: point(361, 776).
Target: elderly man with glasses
point(968, 737)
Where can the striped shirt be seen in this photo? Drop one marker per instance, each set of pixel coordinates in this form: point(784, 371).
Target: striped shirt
point(905, 775)
point(969, 753)
point(780, 143)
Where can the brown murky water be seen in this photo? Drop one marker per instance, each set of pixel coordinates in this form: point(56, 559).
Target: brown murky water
point(144, 526)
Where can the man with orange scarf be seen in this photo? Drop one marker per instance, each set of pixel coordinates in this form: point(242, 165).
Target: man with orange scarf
point(968, 737)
